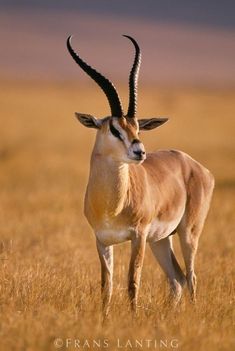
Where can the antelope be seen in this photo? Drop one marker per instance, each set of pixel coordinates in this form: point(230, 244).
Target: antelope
point(139, 197)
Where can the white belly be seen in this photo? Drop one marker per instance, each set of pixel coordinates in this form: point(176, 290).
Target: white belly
point(113, 236)
point(159, 229)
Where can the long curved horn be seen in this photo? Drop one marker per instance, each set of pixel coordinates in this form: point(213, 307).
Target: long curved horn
point(104, 83)
point(133, 80)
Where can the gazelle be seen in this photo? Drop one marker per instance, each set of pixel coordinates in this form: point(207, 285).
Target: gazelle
point(141, 197)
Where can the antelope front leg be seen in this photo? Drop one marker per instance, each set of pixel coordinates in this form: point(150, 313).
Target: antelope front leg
point(106, 261)
point(135, 268)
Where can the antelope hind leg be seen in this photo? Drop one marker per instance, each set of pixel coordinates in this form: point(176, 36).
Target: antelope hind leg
point(163, 252)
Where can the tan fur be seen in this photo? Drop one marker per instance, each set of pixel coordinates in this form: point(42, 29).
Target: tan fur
point(145, 202)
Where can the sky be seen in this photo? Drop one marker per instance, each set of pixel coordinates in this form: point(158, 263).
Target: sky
point(199, 12)
point(189, 42)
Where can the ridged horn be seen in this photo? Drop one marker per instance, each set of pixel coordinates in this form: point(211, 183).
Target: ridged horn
point(133, 80)
point(104, 83)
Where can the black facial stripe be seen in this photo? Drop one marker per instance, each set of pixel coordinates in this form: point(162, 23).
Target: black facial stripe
point(115, 132)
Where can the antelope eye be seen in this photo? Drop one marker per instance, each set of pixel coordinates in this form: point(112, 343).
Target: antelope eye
point(115, 132)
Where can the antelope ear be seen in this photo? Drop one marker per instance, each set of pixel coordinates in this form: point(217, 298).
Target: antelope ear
point(151, 123)
point(88, 120)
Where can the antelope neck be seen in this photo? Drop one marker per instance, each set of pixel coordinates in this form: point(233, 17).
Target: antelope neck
point(108, 183)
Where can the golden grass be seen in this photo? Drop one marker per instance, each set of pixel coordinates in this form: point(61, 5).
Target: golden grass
point(49, 280)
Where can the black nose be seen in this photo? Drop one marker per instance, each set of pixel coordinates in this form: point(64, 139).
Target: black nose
point(139, 153)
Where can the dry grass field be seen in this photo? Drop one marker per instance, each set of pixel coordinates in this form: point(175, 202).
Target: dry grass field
point(49, 268)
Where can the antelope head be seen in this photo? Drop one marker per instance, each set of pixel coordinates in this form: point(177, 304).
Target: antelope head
point(117, 134)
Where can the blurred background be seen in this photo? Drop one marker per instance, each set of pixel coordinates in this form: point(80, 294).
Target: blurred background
point(189, 42)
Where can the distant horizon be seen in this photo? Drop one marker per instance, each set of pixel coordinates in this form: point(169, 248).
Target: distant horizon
point(209, 14)
point(34, 48)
